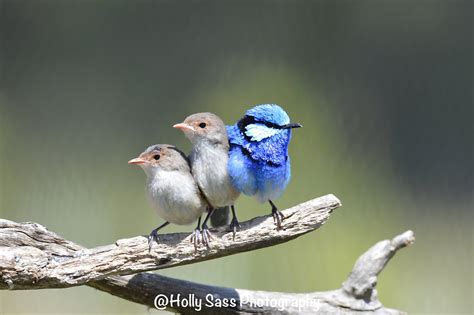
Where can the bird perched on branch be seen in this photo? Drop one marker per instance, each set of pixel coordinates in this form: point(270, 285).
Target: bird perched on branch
point(171, 189)
point(259, 163)
point(208, 158)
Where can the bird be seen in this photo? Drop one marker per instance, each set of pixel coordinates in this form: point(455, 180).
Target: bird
point(259, 163)
point(171, 189)
point(209, 155)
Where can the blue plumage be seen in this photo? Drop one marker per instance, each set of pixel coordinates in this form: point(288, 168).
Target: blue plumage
point(258, 157)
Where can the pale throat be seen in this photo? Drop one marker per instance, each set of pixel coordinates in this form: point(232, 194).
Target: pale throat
point(150, 171)
point(209, 160)
point(202, 147)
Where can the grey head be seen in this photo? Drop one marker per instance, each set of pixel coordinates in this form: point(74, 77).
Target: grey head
point(161, 157)
point(207, 127)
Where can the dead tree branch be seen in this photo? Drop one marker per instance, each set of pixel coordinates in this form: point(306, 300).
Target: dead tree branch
point(31, 257)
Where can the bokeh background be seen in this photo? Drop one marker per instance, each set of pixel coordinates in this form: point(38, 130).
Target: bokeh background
point(382, 88)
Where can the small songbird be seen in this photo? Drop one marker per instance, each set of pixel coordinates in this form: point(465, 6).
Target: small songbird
point(170, 188)
point(258, 158)
point(208, 158)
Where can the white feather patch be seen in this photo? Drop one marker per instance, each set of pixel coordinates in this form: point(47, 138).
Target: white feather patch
point(258, 132)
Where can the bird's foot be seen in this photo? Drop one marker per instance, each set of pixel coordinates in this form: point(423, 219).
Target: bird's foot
point(278, 217)
point(206, 235)
point(196, 238)
point(153, 237)
point(235, 226)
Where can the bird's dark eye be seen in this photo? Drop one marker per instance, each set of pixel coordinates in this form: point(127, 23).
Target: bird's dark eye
point(156, 157)
point(202, 125)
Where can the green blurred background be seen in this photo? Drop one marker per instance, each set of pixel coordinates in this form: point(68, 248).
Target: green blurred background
point(383, 89)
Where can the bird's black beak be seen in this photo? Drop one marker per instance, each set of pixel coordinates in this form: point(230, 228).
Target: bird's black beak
point(291, 126)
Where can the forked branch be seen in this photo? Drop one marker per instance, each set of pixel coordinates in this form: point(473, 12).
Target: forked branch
point(31, 257)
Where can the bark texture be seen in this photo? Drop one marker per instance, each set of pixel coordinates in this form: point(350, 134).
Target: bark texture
point(31, 257)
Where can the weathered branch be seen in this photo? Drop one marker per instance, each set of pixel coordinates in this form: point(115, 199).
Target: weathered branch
point(31, 257)
point(357, 293)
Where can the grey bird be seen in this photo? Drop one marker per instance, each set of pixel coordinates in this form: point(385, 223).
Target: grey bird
point(171, 189)
point(208, 158)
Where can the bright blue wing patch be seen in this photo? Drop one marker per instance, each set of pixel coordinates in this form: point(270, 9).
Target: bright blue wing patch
point(272, 150)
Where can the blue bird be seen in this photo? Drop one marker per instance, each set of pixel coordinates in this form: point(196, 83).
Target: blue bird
point(258, 156)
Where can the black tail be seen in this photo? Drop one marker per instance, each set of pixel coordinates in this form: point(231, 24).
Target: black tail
point(221, 216)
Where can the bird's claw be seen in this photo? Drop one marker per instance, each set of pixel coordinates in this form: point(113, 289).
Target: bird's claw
point(278, 217)
point(196, 238)
point(235, 226)
point(206, 236)
point(152, 237)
